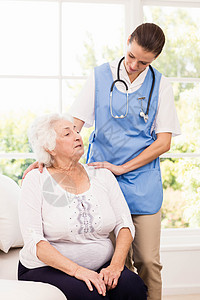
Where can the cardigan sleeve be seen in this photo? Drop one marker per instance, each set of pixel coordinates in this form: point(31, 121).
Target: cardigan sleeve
point(30, 217)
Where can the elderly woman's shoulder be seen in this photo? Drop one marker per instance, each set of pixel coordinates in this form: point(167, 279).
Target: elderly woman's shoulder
point(32, 175)
point(102, 172)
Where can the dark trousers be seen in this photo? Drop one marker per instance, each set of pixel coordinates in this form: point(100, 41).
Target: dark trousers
point(130, 285)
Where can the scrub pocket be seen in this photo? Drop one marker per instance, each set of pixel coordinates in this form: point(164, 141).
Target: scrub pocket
point(142, 190)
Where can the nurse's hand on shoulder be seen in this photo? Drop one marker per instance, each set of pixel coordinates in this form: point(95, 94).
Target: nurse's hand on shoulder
point(35, 165)
point(117, 170)
point(110, 276)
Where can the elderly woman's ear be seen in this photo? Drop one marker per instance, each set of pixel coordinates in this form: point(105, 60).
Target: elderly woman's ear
point(51, 152)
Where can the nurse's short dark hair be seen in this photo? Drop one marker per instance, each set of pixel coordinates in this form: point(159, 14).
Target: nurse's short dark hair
point(150, 37)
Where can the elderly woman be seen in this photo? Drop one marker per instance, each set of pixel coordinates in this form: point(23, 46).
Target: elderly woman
point(66, 215)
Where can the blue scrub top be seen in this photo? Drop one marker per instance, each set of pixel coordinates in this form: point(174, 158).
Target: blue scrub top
point(120, 140)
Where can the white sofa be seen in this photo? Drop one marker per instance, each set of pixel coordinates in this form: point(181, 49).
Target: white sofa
point(10, 245)
point(11, 288)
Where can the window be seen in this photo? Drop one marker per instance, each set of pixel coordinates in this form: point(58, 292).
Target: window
point(48, 48)
point(180, 62)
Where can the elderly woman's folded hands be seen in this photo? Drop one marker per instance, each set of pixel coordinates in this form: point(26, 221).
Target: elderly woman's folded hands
point(107, 279)
point(91, 277)
point(110, 276)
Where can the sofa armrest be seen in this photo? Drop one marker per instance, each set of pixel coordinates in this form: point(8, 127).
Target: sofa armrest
point(23, 290)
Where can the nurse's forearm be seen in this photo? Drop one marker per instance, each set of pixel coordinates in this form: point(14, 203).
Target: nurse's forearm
point(123, 243)
point(78, 123)
point(160, 146)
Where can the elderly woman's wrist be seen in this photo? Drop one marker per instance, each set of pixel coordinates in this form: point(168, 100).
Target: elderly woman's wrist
point(74, 270)
point(119, 265)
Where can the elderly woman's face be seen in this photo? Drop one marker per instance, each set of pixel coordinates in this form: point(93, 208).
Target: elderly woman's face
point(68, 142)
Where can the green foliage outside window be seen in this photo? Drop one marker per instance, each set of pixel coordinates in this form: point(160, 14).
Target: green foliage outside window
point(13, 134)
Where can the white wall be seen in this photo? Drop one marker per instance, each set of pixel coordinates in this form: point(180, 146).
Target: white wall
point(180, 257)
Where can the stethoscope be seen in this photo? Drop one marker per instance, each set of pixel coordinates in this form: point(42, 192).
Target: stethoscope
point(142, 113)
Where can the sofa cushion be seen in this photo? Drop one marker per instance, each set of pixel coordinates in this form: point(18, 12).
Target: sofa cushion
point(11, 289)
point(9, 263)
point(23, 290)
point(10, 234)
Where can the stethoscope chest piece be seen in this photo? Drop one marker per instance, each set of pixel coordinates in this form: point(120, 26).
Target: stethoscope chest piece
point(143, 115)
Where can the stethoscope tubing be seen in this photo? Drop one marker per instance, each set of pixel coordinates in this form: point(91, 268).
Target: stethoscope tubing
point(151, 91)
point(144, 115)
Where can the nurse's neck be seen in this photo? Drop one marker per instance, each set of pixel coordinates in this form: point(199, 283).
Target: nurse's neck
point(134, 75)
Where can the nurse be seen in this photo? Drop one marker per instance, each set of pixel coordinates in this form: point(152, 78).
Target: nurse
point(135, 118)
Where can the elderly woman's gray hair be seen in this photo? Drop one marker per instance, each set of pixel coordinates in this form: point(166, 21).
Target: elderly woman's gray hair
point(42, 136)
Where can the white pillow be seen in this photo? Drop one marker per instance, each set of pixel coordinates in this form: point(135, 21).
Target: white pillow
point(10, 234)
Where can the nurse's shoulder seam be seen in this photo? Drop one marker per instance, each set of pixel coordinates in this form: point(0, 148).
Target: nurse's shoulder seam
point(114, 63)
point(165, 83)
